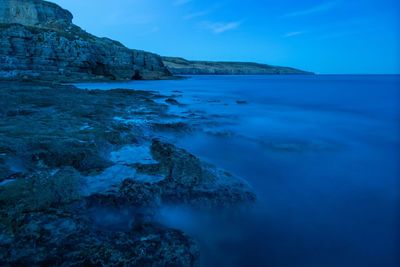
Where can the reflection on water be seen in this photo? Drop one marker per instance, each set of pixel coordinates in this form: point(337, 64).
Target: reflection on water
point(322, 153)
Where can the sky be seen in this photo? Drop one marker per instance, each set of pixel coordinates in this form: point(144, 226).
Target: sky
point(324, 36)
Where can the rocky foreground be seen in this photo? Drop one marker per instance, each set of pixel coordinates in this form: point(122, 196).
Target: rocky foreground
point(70, 159)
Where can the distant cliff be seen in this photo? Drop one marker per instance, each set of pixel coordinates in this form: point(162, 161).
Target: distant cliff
point(39, 40)
point(180, 66)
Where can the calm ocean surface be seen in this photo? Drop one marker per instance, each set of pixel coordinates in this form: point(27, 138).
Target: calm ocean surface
point(323, 154)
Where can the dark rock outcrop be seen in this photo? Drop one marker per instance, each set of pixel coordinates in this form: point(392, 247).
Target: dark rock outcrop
point(186, 181)
point(190, 181)
point(180, 66)
point(55, 135)
point(38, 40)
point(55, 141)
point(61, 238)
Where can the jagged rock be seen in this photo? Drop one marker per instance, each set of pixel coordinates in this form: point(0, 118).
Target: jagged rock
point(39, 41)
point(193, 182)
point(172, 101)
point(185, 179)
point(130, 193)
point(81, 156)
point(172, 127)
point(63, 239)
point(140, 194)
point(59, 133)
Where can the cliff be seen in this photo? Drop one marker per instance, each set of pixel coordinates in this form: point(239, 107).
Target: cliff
point(33, 13)
point(180, 66)
point(39, 41)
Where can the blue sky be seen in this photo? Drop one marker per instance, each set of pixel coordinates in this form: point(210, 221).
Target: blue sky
point(324, 36)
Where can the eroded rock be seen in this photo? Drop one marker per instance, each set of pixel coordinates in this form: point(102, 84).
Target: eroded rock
point(64, 239)
point(179, 178)
point(48, 215)
point(39, 41)
point(188, 180)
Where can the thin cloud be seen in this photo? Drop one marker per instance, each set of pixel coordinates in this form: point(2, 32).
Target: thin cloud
point(313, 10)
point(202, 13)
point(292, 34)
point(221, 27)
point(181, 2)
point(196, 15)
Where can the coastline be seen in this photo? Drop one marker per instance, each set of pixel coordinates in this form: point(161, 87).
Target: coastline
point(69, 154)
point(256, 127)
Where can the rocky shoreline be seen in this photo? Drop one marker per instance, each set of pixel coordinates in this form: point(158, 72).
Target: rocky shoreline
point(70, 158)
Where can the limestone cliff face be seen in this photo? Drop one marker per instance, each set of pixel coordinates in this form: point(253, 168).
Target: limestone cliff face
point(38, 40)
point(180, 66)
point(33, 13)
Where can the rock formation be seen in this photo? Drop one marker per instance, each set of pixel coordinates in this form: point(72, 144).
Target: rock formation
point(185, 180)
point(38, 40)
point(83, 181)
point(180, 66)
point(34, 13)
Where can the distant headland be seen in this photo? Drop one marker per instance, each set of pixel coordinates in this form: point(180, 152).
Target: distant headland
point(180, 66)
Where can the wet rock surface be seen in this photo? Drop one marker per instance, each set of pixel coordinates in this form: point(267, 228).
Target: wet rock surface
point(191, 181)
point(66, 239)
point(83, 178)
point(185, 180)
point(172, 101)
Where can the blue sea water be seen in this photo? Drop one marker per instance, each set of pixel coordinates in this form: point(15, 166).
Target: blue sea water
point(322, 153)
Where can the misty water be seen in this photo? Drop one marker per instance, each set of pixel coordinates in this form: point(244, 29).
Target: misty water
point(322, 153)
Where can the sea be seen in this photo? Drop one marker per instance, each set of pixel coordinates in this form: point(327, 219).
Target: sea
point(322, 152)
